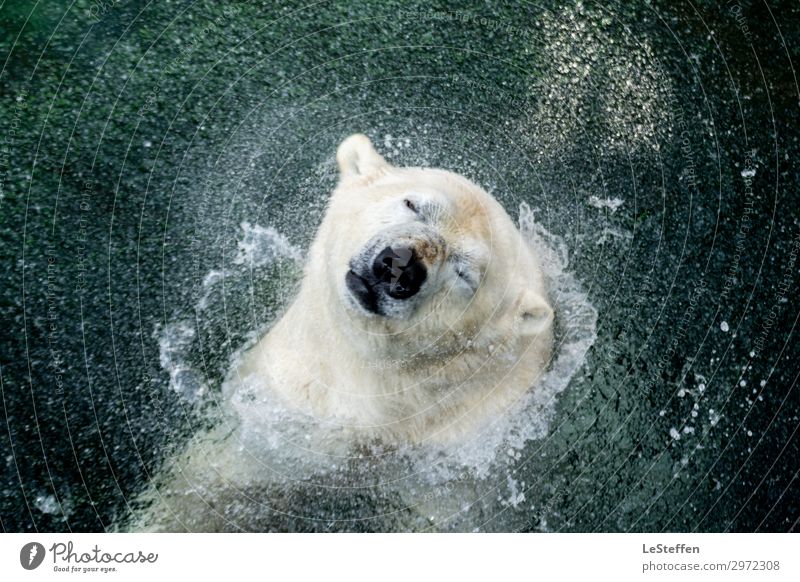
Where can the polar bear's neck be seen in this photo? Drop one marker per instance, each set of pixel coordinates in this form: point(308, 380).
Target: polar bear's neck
point(313, 361)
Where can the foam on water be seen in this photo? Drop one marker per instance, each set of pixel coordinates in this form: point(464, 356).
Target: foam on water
point(289, 448)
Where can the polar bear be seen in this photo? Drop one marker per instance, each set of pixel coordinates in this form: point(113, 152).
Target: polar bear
point(422, 313)
point(422, 317)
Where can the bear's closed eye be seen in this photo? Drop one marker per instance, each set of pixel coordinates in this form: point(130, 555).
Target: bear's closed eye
point(464, 273)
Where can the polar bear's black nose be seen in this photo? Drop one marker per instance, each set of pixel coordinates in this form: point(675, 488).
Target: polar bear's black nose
point(400, 270)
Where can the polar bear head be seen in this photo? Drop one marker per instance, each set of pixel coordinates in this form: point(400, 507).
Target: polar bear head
point(423, 261)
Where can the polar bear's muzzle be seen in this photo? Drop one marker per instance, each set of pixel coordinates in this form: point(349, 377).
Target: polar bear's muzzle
point(395, 274)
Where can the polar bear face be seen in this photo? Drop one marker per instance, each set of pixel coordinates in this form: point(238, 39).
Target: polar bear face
point(427, 255)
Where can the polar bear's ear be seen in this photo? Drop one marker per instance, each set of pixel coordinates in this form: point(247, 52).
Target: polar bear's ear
point(535, 314)
point(357, 158)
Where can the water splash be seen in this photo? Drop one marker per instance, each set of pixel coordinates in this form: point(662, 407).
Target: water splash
point(263, 245)
point(280, 449)
point(598, 82)
point(174, 341)
point(575, 334)
point(258, 247)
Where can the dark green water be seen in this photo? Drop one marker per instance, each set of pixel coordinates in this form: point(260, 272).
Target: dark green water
point(658, 140)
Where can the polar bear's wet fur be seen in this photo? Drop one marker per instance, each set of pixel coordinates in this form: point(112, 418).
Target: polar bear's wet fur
point(409, 364)
point(421, 318)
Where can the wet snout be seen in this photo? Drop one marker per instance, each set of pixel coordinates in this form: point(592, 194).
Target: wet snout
point(388, 275)
point(400, 270)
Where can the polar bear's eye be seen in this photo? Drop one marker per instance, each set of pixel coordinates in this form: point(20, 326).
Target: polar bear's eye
point(466, 276)
point(411, 206)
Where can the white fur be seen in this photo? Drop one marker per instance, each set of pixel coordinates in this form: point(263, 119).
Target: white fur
point(458, 360)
